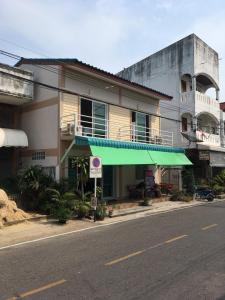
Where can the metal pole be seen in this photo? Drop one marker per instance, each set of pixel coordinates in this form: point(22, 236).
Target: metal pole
point(95, 195)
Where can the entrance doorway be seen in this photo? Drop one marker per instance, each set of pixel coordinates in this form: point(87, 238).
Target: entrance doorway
point(108, 182)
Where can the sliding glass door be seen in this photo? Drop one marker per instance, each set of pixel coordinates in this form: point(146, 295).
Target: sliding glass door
point(93, 118)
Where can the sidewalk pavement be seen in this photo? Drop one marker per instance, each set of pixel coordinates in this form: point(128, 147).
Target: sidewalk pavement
point(42, 229)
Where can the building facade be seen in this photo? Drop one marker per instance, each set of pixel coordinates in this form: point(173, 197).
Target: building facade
point(15, 91)
point(189, 71)
point(88, 111)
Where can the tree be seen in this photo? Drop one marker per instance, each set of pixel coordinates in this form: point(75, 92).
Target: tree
point(82, 164)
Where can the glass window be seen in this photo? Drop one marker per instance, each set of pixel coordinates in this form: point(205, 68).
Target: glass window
point(93, 118)
point(99, 119)
point(141, 126)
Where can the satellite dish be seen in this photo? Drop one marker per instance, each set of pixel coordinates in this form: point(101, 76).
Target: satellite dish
point(191, 137)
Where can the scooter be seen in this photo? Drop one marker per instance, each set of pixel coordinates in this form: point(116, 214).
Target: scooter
point(204, 193)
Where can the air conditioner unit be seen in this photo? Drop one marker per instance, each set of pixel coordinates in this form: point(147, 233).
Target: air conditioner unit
point(79, 130)
point(70, 128)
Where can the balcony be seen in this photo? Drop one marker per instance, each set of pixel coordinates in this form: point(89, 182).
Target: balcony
point(203, 138)
point(208, 139)
point(15, 90)
point(82, 125)
point(200, 102)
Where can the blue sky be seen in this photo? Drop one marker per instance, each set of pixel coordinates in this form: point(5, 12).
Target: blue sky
point(110, 34)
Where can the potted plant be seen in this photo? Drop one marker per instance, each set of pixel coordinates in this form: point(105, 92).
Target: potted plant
point(100, 212)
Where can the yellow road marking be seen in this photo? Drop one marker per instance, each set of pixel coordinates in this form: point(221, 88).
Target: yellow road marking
point(209, 226)
point(175, 239)
point(38, 290)
point(124, 258)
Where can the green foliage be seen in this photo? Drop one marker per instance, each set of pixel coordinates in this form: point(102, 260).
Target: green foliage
point(177, 196)
point(145, 202)
point(218, 189)
point(100, 213)
point(218, 183)
point(82, 165)
point(10, 185)
point(188, 180)
point(32, 183)
point(82, 209)
point(180, 196)
point(61, 206)
point(219, 179)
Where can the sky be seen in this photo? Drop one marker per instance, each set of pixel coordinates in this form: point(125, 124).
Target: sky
point(109, 34)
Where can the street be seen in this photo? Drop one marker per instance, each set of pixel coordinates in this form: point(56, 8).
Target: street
point(176, 255)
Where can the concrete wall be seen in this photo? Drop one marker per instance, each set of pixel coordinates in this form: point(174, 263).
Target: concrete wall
point(163, 71)
point(45, 74)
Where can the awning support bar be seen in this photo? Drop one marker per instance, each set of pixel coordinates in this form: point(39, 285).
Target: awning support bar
point(66, 152)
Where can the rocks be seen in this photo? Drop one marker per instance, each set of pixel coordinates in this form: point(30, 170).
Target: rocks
point(9, 211)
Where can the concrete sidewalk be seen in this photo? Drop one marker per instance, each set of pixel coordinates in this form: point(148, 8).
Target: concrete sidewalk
point(42, 229)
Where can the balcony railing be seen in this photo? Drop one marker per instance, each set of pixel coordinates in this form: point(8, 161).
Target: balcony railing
point(14, 87)
point(83, 125)
point(208, 138)
point(200, 102)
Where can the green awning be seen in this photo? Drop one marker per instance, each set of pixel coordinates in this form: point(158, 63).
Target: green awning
point(122, 156)
point(169, 158)
point(115, 152)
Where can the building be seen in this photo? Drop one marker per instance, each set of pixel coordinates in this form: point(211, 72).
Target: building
point(189, 71)
point(88, 111)
point(14, 92)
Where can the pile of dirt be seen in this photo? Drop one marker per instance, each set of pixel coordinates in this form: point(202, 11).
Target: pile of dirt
point(9, 211)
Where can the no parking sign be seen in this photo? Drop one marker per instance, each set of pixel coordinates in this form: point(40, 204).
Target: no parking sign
point(95, 167)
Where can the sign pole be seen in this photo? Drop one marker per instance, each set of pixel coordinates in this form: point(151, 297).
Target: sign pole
point(95, 172)
point(95, 195)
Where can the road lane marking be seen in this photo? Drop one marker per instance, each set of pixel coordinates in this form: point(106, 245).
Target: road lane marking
point(38, 290)
point(209, 226)
point(124, 258)
point(175, 238)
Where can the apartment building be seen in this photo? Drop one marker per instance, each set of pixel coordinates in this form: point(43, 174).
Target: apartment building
point(92, 112)
point(189, 71)
point(14, 93)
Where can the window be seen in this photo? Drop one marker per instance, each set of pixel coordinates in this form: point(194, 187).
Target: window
point(93, 118)
point(184, 124)
point(141, 127)
point(183, 86)
point(50, 171)
point(38, 155)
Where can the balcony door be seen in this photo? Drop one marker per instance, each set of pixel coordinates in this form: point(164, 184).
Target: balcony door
point(141, 127)
point(93, 118)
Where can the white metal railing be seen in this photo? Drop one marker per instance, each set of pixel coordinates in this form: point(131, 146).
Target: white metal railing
point(83, 125)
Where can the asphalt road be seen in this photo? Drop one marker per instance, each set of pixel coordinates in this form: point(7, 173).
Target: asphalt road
point(177, 255)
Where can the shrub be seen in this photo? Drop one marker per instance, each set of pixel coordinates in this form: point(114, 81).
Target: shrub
point(100, 212)
point(145, 202)
point(177, 196)
point(32, 183)
point(61, 206)
point(219, 179)
point(218, 189)
point(82, 209)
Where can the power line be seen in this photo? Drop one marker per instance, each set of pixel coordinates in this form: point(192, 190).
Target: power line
point(43, 85)
point(75, 77)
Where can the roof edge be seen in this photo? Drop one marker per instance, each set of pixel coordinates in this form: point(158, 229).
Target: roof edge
point(76, 62)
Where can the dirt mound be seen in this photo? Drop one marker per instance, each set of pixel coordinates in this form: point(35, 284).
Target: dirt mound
point(9, 211)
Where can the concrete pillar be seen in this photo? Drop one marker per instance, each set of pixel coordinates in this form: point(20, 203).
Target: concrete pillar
point(222, 141)
point(217, 94)
point(193, 83)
